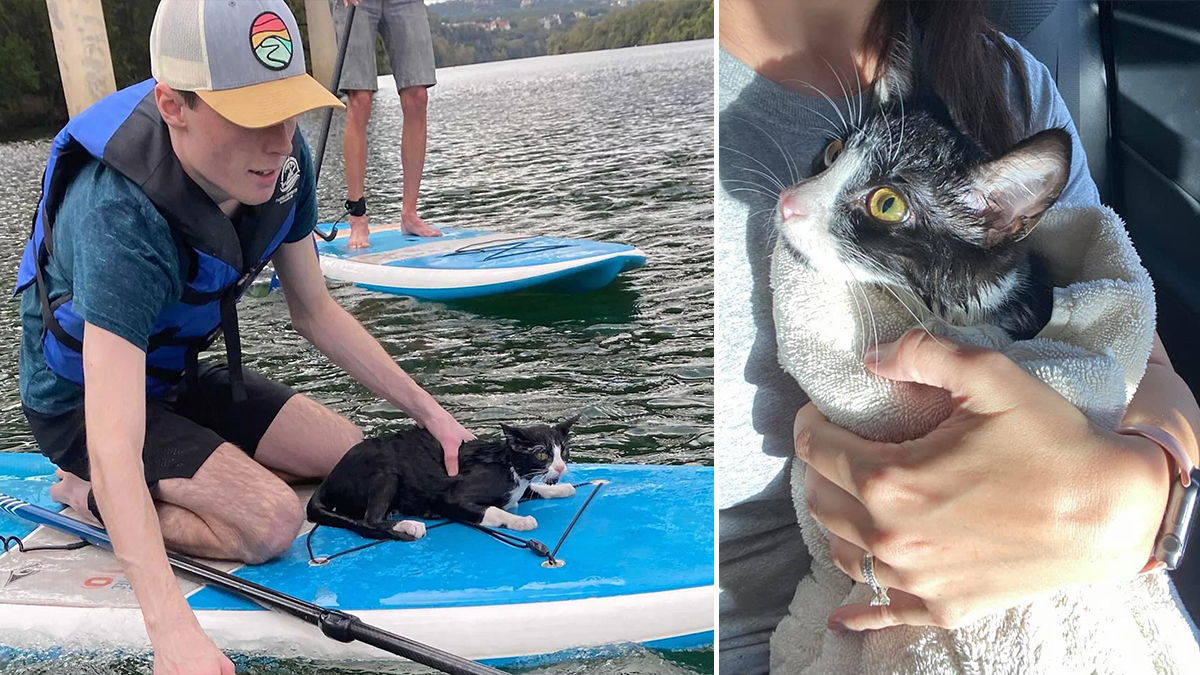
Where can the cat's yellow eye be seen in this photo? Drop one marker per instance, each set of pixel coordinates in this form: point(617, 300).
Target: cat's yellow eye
point(832, 151)
point(887, 206)
point(541, 456)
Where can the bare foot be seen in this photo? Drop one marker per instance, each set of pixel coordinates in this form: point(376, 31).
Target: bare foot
point(73, 491)
point(411, 223)
point(358, 232)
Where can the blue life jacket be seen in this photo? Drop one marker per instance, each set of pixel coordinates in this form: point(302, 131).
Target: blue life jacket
point(126, 133)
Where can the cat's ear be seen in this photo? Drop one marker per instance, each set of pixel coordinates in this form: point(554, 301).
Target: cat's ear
point(1014, 190)
point(564, 427)
point(514, 434)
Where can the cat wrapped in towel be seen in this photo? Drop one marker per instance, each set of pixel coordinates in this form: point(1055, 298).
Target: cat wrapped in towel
point(909, 224)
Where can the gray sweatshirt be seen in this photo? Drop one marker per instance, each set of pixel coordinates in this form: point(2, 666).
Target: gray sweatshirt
point(762, 556)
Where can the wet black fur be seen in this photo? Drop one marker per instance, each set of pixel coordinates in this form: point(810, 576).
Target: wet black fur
point(406, 473)
point(941, 254)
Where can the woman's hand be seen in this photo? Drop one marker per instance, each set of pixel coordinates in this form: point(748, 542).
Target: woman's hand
point(1013, 497)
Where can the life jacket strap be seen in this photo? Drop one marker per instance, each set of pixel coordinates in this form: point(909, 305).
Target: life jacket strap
point(66, 339)
point(233, 345)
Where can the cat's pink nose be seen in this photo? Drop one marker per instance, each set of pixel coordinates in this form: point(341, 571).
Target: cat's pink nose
point(792, 205)
point(559, 468)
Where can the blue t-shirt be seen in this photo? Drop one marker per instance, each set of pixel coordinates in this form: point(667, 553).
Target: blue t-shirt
point(113, 251)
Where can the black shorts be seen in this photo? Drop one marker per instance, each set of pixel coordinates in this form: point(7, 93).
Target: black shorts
point(180, 434)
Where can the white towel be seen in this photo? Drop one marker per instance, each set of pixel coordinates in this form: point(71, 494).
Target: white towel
point(1093, 352)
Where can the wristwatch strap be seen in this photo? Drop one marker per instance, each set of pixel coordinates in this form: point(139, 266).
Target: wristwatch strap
point(1171, 542)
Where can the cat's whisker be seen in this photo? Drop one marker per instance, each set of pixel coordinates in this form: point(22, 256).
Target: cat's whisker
point(903, 304)
point(854, 290)
point(751, 182)
point(888, 126)
point(845, 124)
point(755, 191)
point(870, 312)
point(760, 163)
point(769, 176)
point(845, 92)
point(777, 146)
point(759, 212)
point(858, 85)
point(900, 147)
point(832, 126)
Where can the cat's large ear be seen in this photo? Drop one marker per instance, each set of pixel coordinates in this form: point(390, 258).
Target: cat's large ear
point(1014, 190)
point(564, 427)
point(514, 434)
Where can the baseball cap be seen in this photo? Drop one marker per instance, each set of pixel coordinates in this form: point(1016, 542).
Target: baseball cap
point(244, 58)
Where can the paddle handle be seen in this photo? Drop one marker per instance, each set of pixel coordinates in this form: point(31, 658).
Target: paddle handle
point(412, 650)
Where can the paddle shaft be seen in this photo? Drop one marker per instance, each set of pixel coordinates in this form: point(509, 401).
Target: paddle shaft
point(327, 115)
point(333, 623)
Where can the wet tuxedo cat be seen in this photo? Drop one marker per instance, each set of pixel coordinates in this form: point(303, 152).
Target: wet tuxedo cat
point(907, 201)
point(406, 472)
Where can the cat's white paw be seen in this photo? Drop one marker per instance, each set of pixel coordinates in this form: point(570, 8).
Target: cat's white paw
point(560, 491)
point(522, 523)
point(493, 517)
point(411, 528)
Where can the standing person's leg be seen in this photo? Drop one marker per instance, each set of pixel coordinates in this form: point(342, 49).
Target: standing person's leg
point(405, 31)
point(413, 103)
point(358, 82)
point(354, 150)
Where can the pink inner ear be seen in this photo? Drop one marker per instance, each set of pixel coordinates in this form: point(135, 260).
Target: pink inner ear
point(1020, 185)
point(1015, 191)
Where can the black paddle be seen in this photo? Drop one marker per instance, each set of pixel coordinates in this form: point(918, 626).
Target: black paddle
point(333, 623)
point(327, 120)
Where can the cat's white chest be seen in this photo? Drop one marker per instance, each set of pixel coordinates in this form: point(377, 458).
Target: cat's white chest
point(517, 492)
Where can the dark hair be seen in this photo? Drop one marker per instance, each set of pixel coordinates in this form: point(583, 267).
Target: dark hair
point(190, 99)
point(965, 53)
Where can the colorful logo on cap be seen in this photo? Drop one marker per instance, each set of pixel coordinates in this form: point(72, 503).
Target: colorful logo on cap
point(271, 41)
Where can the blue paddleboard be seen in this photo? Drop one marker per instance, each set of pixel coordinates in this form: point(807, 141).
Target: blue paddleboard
point(473, 263)
point(636, 568)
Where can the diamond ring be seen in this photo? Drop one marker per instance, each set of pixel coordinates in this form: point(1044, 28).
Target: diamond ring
point(881, 592)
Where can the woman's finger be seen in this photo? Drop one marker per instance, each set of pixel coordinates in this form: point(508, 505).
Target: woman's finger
point(849, 559)
point(839, 455)
point(904, 609)
point(837, 510)
point(981, 379)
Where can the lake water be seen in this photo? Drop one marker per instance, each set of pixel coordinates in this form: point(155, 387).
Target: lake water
point(615, 146)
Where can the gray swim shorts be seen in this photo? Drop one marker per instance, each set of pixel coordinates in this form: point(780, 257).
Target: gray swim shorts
point(404, 25)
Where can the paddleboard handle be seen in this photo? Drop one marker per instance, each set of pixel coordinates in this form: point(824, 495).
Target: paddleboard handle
point(333, 623)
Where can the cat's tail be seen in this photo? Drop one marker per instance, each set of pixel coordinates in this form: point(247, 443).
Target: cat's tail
point(321, 514)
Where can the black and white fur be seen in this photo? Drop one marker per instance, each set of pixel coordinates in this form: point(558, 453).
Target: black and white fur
point(405, 472)
point(961, 253)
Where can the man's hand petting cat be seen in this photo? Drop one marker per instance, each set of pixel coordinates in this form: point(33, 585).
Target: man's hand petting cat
point(1013, 497)
point(450, 434)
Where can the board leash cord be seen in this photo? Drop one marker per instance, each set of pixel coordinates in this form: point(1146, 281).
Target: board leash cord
point(334, 624)
point(534, 546)
point(501, 248)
